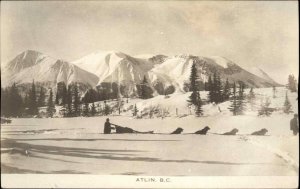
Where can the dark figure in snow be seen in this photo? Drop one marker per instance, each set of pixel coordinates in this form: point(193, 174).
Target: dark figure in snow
point(203, 131)
point(260, 132)
point(232, 132)
point(120, 129)
point(294, 124)
point(177, 131)
point(107, 127)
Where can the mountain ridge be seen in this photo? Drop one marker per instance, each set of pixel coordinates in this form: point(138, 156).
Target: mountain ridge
point(100, 67)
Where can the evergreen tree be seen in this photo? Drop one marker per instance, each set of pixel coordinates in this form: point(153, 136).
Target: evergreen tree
point(76, 108)
point(292, 83)
point(68, 99)
point(193, 98)
point(199, 111)
point(193, 78)
point(213, 88)
point(32, 106)
point(234, 105)
point(218, 89)
point(3, 99)
point(226, 91)
point(64, 94)
point(205, 86)
point(274, 92)
point(41, 99)
point(241, 100)
point(251, 98)
point(15, 102)
point(107, 109)
point(57, 98)
point(85, 109)
point(209, 88)
point(145, 91)
point(135, 111)
point(26, 101)
point(5, 102)
point(93, 109)
point(50, 105)
point(264, 108)
point(287, 105)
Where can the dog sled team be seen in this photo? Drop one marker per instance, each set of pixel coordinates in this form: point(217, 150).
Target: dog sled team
point(108, 127)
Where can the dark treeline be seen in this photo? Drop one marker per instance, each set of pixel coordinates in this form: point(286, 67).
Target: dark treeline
point(218, 92)
point(73, 103)
point(12, 104)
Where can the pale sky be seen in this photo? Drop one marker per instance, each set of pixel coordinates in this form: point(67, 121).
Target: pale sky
point(263, 34)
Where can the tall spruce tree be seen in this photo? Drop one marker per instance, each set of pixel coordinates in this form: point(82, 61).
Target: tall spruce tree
point(218, 89)
point(85, 111)
point(76, 108)
point(26, 101)
point(32, 106)
point(213, 88)
point(251, 98)
point(50, 105)
point(15, 102)
point(93, 109)
point(226, 91)
point(287, 105)
point(3, 95)
point(241, 99)
point(274, 92)
point(145, 91)
point(69, 102)
point(234, 104)
point(57, 98)
point(193, 98)
point(107, 109)
point(41, 99)
point(198, 109)
point(292, 83)
point(5, 102)
point(193, 78)
point(264, 108)
point(64, 94)
point(135, 111)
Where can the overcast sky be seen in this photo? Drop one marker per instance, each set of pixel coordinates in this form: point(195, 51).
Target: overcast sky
point(263, 34)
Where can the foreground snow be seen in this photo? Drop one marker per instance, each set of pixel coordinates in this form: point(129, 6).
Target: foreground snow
point(77, 145)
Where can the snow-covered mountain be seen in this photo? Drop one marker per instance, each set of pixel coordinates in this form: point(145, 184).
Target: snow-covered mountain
point(165, 71)
point(162, 72)
point(259, 72)
point(32, 65)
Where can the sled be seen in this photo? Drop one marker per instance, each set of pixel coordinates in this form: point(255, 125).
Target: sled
point(124, 130)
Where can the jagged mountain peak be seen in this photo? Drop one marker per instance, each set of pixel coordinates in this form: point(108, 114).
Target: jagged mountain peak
point(26, 59)
point(161, 71)
point(31, 64)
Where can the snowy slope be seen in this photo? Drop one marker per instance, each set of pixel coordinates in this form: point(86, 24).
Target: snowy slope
point(260, 73)
point(115, 67)
point(163, 70)
point(32, 65)
point(100, 67)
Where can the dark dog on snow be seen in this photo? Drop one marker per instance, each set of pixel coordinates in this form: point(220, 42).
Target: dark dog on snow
point(232, 132)
point(260, 132)
point(177, 131)
point(203, 131)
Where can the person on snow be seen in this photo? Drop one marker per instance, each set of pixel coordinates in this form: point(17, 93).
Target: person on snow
point(107, 127)
point(294, 124)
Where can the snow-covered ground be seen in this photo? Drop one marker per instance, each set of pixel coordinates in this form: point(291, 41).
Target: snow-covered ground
point(78, 145)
